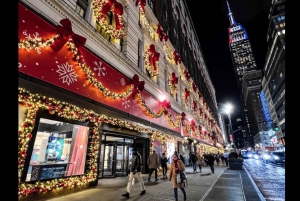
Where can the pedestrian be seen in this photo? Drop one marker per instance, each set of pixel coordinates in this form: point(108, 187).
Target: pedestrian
point(217, 157)
point(225, 155)
point(164, 164)
point(210, 161)
point(199, 162)
point(175, 168)
point(135, 171)
point(180, 156)
point(222, 159)
point(194, 160)
point(153, 163)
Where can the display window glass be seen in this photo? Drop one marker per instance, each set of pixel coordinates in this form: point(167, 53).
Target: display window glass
point(59, 150)
point(170, 150)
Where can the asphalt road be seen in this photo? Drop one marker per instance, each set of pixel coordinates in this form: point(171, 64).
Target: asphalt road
point(269, 178)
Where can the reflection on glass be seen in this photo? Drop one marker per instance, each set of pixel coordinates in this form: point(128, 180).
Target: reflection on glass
point(59, 150)
point(108, 160)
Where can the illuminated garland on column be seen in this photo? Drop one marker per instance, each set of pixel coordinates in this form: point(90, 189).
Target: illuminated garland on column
point(101, 7)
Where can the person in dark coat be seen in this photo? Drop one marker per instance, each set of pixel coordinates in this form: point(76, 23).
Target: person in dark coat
point(164, 164)
point(210, 161)
point(135, 171)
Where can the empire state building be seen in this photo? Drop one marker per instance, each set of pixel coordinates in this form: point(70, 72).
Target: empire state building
point(240, 48)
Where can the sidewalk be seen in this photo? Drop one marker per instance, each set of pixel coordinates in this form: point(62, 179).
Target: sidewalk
point(224, 185)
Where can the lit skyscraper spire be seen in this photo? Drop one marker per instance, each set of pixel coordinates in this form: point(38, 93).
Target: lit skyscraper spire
point(231, 19)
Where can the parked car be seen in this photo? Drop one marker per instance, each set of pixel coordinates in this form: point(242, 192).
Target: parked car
point(277, 157)
point(266, 156)
point(246, 154)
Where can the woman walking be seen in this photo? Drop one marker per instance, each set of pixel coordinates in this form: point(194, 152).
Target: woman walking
point(175, 168)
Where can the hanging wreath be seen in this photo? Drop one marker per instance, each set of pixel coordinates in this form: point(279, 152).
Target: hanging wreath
point(141, 4)
point(101, 8)
point(176, 57)
point(173, 81)
point(161, 33)
point(151, 58)
point(186, 95)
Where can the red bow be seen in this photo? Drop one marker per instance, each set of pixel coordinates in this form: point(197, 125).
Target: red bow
point(138, 85)
point(154, 56)
point(174, 79)
point(195, 105)
point(200, 111)
point(205, 116)
point(199, 95)
point(176, 58)
point(142, 4)
point(194, 87)
point(65, 32)
point(187, 75)
point(118, 10)
point(193, 125)
point(161, 33)
point(183, 118)
point(186, 94)
point(200, 129)
point(166, 104)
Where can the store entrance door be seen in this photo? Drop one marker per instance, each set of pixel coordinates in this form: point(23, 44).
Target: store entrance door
point(109, 160)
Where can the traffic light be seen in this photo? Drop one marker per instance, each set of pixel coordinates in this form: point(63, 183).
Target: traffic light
point(275, 127)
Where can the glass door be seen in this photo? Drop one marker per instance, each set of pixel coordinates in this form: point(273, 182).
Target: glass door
point(109, 160)
point(122, 160)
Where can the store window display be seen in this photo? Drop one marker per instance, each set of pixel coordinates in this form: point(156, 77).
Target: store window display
point(59, 150)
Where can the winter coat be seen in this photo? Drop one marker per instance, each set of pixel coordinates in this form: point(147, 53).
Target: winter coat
point(153, 161)
point(193, 158)
point(200, 159)
point(163, 161)
point(210, 159)
point(173, 174)
point(136, 162)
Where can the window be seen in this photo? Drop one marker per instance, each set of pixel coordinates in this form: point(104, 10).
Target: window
point(100, 29)
point(80, 10)
point(150, 3)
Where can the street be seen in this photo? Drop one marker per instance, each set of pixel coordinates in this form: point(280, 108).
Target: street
point(269, 178)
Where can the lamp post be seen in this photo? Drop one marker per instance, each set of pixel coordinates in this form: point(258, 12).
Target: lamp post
point(228, 110)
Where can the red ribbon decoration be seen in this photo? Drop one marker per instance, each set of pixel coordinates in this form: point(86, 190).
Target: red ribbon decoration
point(194, 87)
point(186, 94)
point(200, 129)
point(162, 35)
point(205, 116)
point(166, 104)
point(195, 105)
point(118, 10)
point(65, 32)
point(199, 95)
point(142, 4)
point(154, 56)
point(174, 79)
point(176, 57)
point(187, 75)
point(138, 85)
point(183, 118)
point(193, 125)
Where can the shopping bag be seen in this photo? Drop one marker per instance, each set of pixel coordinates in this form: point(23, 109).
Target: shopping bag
point(178, 178)
point(182, 176)
point(133, 181)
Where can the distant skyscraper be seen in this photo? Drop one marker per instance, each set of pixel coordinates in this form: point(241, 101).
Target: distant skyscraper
point(240, 48)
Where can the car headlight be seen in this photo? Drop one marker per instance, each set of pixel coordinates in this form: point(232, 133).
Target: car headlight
point(250, 155)
point(276, 157)
point(266, 156)
point(255, 156)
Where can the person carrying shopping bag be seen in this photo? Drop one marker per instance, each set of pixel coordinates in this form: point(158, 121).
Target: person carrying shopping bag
point(176, 167)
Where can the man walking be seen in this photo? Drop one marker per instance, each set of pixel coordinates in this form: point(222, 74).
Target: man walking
point(225, 155)
point(135, 171)
point(211, 161)
point(194, 159)
point(153, 163)
point(164, 164)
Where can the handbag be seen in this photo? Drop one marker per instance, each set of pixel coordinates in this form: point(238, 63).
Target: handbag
point(182, 176)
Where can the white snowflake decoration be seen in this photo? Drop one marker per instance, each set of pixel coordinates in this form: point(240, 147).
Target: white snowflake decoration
point(34, 39)
point(99, 68)
point(67, 73)
point(126, 103)
point(122, 81)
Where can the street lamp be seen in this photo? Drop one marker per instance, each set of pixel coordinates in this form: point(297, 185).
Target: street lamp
point(228, 110)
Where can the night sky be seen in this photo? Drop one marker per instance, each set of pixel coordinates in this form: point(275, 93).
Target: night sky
point(210, 19)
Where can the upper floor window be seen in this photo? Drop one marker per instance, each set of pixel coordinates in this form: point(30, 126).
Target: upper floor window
point(80, 10)
point(150, 3)
point(81, 7)
point(164, 17)
point(101, 30)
